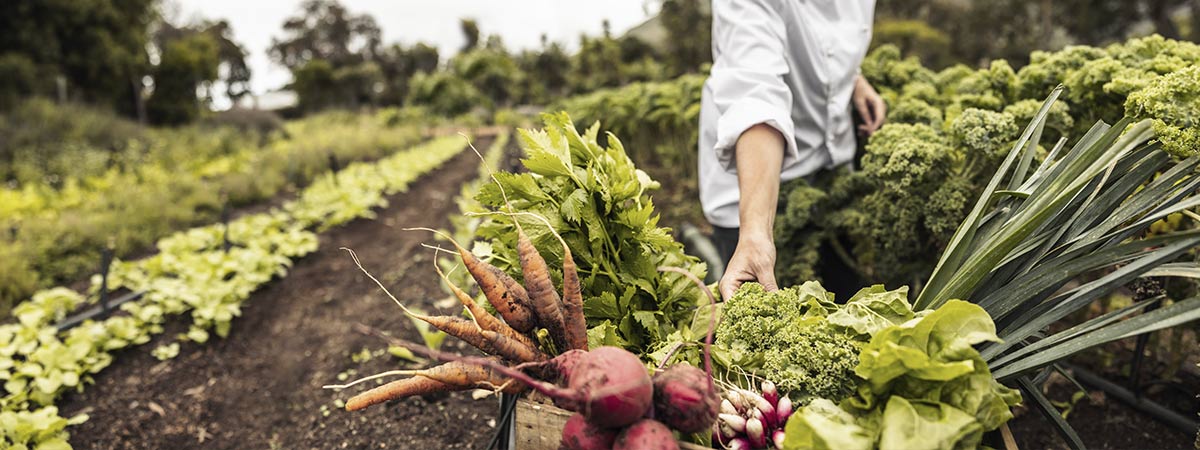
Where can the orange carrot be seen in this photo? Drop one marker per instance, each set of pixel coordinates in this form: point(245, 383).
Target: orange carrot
point(576, 323)
point(512, 349)
point(466, 375)
point(466, 330)
point(512, 303)
point(398, 389)
point(485, 319)
point(547, 305)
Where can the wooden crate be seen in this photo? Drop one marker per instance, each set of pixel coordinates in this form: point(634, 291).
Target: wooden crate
point(539, 426)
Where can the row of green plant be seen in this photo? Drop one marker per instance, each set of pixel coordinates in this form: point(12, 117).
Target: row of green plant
point(89, 181)
point(191, 274)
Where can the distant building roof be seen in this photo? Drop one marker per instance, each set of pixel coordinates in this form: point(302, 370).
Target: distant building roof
point(269, 101)
point(652, 32)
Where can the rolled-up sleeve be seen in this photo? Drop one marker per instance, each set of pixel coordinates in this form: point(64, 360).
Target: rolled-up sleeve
point(747, 76)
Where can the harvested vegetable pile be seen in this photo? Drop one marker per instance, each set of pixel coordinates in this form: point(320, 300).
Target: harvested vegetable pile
point(617, 403)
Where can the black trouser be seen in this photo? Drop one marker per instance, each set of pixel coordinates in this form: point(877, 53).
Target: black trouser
point(726, 240)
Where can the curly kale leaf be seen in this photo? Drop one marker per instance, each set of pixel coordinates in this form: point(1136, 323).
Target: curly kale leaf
point(985, 135)
point(783, 336)
point(1173, 101)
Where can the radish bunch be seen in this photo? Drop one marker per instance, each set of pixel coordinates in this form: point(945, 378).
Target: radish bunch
point(752, 420)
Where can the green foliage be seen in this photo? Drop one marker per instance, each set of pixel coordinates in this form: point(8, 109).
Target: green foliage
point(914, 37)
point(923, 385)
point(326, 30)
point(185, 64)
point(1171, 101)
point(783, 336)
point(688, 36)
point(444, 93)
point(19, 76)
point(948, 131)
point(658, 123)
point(192, 273)
point(98, 47)
point(83, 180)
point(599, 203)
point(492, 71)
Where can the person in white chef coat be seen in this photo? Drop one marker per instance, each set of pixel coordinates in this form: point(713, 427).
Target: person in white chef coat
point(777, 106)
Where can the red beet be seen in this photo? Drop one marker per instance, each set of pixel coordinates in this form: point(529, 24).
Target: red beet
point(685, 400)
point(646, 434)
point(613, 388)
point(579, 434)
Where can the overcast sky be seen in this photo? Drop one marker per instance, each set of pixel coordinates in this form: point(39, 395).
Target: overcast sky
point(519, 22)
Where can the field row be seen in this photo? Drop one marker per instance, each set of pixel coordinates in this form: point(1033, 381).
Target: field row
point(193, 274)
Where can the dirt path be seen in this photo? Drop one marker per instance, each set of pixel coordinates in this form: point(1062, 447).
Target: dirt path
point(260, 387)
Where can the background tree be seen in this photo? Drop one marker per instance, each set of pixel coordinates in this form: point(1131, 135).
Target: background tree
point(192, 59)
point(597, 64)
point(186, 64)
point(689, 34)
point(445, 93)
point(470, 31)
point(98, 47)
point(326, 30)
point(545, 72)
point(492, 71)
point(333, 56)
point(398, 64)
point(235, 72)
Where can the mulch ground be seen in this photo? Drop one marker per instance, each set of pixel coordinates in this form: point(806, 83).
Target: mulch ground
point(260, 388)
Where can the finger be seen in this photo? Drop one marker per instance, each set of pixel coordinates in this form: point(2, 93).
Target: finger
point(767, 279)
point(880, 108)
point(728, 286)
point(860, 105)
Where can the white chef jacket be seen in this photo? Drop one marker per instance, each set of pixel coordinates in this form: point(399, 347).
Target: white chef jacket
point(790, 64)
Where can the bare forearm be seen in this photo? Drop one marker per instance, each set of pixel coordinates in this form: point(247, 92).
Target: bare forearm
point(759, 160)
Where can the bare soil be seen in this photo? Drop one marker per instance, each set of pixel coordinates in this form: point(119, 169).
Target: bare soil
point(260, 388)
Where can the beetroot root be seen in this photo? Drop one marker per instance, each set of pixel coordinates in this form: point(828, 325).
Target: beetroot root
point(685, 400)
point(646, 434)
point(613, 386)
point(579, 434)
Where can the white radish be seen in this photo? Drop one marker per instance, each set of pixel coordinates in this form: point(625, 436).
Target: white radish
point(756, 433)
point(734, 422)
point(740, 402)
point(740, 444)
point(764, 411)
point(770, 393)
point(728, 408)
point(784, 411)
point(777, 438)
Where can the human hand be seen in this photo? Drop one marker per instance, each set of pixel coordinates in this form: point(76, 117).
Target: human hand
point(870, 106)
point(753, 260)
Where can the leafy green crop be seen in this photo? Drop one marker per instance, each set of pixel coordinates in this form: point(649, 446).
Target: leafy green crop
point(598, 202)
point(923, 385)
point(948, 131)
point(191, 274)
point(784, 337)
